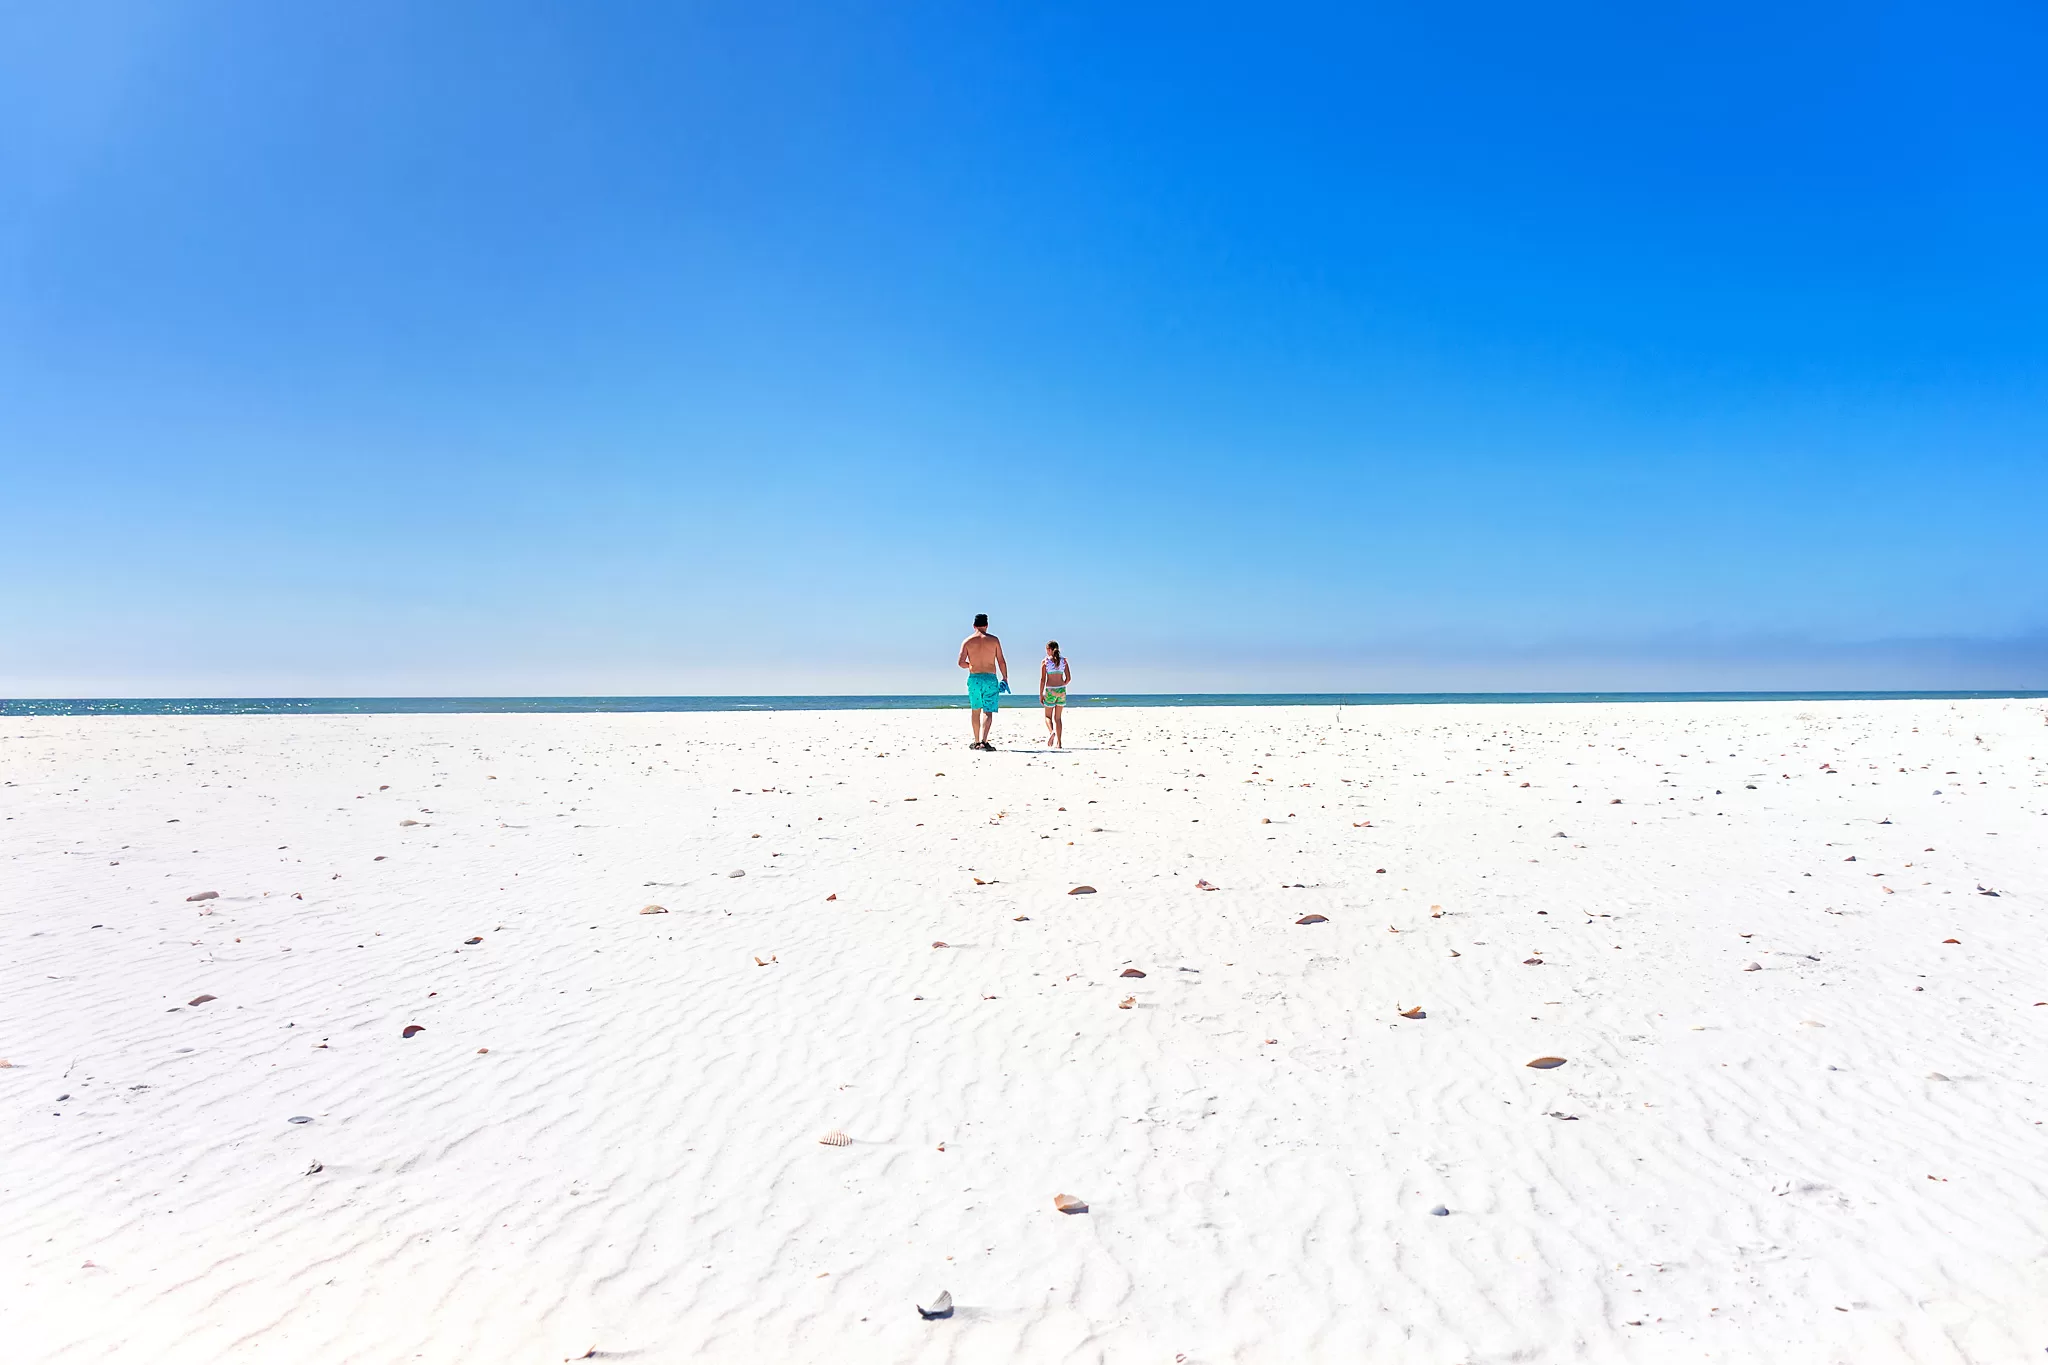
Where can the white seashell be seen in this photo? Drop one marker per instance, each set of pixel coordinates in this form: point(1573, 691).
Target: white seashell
point(835, 1138)
point(942, 1307)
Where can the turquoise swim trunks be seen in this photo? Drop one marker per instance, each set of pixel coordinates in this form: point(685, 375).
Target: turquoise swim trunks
point(983, 691)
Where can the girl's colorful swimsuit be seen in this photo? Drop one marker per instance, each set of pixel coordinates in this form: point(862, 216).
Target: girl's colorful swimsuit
point(1054, 696)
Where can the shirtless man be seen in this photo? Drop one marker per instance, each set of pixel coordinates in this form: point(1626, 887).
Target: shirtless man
point(988, 673)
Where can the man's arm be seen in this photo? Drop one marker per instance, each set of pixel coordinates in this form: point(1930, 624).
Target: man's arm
point(963, 653)
point(1002, 664)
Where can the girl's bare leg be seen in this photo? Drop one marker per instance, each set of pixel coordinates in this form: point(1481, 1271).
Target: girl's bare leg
point(1048, 727)
point(1059, 727)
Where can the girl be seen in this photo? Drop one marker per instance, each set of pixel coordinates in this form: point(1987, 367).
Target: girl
point(1053, 676)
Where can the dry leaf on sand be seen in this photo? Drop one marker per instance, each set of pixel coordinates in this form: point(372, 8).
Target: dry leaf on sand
point(1067, 1203)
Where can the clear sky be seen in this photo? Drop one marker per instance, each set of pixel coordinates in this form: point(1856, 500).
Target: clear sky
point(502, 347)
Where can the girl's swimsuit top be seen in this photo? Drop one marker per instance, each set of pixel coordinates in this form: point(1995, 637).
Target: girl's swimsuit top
point(1056, 668)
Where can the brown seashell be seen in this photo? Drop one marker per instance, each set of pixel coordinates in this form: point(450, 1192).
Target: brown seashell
point(654, 909)
point(1264, 821)
point(481, 1051)
point(1127, 1002)
point(1545, 1063)
point(1313, 919)
point(1204, 885)
point(979, 882)
point(1532, 962)
point(1456, 953)
point(1082, 891)
point(1131, 971)
point(201, 999)
point(833, 897)
point(411, 1029)
point(479, 938)
point(1956, 941)
point(402, 824)
point(205, 896)
point(835, 1138)
point(1415, 1013)
point(938, 943)
point(1379, 871)
point(1067, 1203)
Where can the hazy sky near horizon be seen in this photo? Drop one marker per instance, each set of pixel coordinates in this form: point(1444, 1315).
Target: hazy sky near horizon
point(500, 348)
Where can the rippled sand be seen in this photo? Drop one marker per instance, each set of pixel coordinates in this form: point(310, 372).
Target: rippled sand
point(606, 1133)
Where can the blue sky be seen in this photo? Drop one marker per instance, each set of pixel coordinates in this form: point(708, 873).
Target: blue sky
point(518, 348)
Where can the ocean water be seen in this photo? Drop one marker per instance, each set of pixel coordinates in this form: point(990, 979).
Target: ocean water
point(392, 706)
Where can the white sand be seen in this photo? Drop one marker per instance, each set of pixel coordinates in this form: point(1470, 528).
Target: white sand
point(1765, 1165)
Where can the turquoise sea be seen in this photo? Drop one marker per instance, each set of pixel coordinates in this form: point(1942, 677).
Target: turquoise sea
point(387, 706)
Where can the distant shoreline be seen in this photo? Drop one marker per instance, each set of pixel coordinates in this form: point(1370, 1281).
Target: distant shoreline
point(300, 706)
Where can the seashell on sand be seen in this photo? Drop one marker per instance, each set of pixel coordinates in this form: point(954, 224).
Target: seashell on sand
point(835, 1138)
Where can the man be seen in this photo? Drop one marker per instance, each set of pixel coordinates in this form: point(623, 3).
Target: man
point(988, 677)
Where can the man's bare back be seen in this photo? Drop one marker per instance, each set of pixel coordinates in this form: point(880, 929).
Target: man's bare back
point(981, 652)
